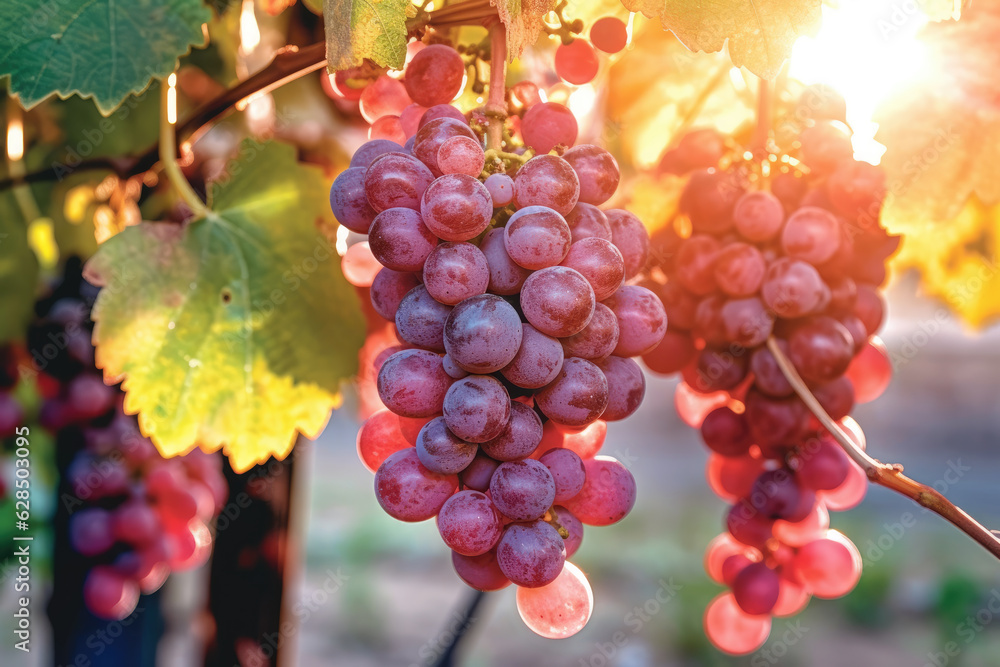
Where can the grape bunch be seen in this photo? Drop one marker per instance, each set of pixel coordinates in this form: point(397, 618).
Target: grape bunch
point(786, 247)
point(133, 514)
point(513, 331)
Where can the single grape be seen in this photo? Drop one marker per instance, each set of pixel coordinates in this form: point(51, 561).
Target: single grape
point(870, 371)
point(388, 289)
point(870, 308)
point(108, 594)
point(726, 432)
point(547, 125)
point(598, 339)
point(641, 320)
point(811, 234)
point(389, 128)
point(777, 494)
point(547, 180)
point(537, 361)
point(396, 180)
point(793, 288)
point(748, 525)
point(820, 348)
point(506, 277)
point(755, 589)
point(428, 140)
point(714, 370)
point(477, 408)
point(91, 531)
point(849, 494)
point(739, 269)
point(480, 572)
point(674, 352)
point(577, 396)
point(567, 470)
point(732, 630)
point(696, 264)
point(587, 221)
point(383, 97)
point(456, 207)
point(420, 320)
point(366, 154)
point(531, 554)
point(836, 397)
point(409, 119)
point(708, 200)
point(775, 421)
point(378, 438)
point(758, 215)
point(469, 524)
point(400, 240)
point(576, 62)
point(626, 387)
point(519, 437)
point(412, 383)
point(454, 272)
point(408, 491)
point(609, 34)
point(359, 265)
point(746, 322)
point(537, 237)
point(679, 304)
point(523, 490)
point(435, 75)
point(482, 334)
point(441, 111)
point(630, 237)
point(558, 301)
point(441, 451)
point(572, 525)
point(596, 170)
point(829, 567)
point(501, 188)
point(559, 609)
point(477, 475)
point(462, 155)
point(608, 494)
point(768, 378)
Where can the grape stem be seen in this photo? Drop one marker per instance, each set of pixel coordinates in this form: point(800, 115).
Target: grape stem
point(459, 624)
point(168, 156)
point(496, 107)
point(764, 105)
point(889, 475)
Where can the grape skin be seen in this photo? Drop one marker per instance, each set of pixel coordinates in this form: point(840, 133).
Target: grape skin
point(557, 301)
point(399, 239)
point(441, 451)
point(482, 334)
point(536, 237)
point(608, 494)
point(408, 491)
point(456, 207)
point(477, 408)
point(547, 180)
point(522, 490)
point(547, 125)
point(469, 524)
point(578, 395)
point(412, 383)
point(537, 361)
point(519, 437)
point(531, 554)
point(454, 272)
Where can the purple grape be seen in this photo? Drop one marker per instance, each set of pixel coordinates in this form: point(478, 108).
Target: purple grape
point(522, 490)
point(778, 495)
point(600, 262)
point(477, 475)
point(388, 289)
point(537, 361)
point(586, 221)
point(558, 301)
point(726, 432)
point(626, 387)
point(506, 277)
point(519, 438)
point(630, 237)
point(793, 288)
point(477, 408)
point(531, 554)
point(641, 320)
point(567, 470)
point(469, 524)
point(480, 572)
point(366, 154)
point(746, 322)
point(536, 237)
point(756, 589)
point(455, 271)
point(598, 339)
point(597, 171)
point(396, 180)
point(91, 532)
point(820, 348)
point(441, 451)
point(577, 396)
point(452, 369)
point(349, 201)
point(420, 320)
point(456, 207)
point(408, 491)
point(547, 180)
point(433, 133)
point(573, 526)
point(482, 334)
point(400, 240)
point(412, 383)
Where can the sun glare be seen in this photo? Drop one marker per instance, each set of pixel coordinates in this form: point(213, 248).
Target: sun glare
point(864, 48)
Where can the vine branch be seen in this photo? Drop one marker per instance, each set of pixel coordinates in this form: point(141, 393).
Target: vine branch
point(168, 157)
point(496, 107)
point(885, 474)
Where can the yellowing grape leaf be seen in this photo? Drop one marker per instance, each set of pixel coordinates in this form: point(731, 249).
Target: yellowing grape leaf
point(99, 48)
point(18, 271)
point(658, 86)
point(523, 21)
point(359, 29)
point(234, 330)
point(760, 32)
point(942, 137)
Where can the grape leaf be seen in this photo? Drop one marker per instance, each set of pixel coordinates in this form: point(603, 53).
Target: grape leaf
point(760, 32)
point(18, 271)
point(942, 138)
point(523, 21)
point(101, 48)
point(359, 29)
point(234, 330)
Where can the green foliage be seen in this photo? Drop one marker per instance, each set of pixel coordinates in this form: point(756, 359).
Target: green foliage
point(760, 32)
point(373, 29)
point(18, 271)
point(235, 330)
point(101, 48)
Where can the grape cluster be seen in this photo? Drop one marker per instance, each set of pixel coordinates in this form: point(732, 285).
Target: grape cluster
point(785, 247)
point(514, 328)
point(135, 515)
point(578, 61)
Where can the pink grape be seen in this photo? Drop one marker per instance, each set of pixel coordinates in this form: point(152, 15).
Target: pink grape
point(577, 396)
point(441, 451)
point(519, 437)
point(480, 572)
point(573, 526)
point(732, 630)
point(600, 262)
point(726, 432)
point(477, 408)
point(674, 352)
point(567, 470)
point(793, 288)
point(383, 97)
point(870, 308)
point(608, 494)
point(739, 269)
point(548, 125)
point(536, 237)
point(531, 554)
point(378, 438)
point(828, 567)
point(388, 127)
point(798, 533)
point(641, 320)
point(576, 62)
point(821, 349)
point(559, 609)
point(108, 594)
point(435, 75)
point(408, 491)
point(836, 397)
point(501, 189)
point(596, 170)
point(586, 441)
point(811, 234)
point(482, 334)
point(412, 383)
point(537, 362)
point(388, 289)
point(587, 221)
point(400, 240)
point(748, 525)
point(441, 111)
point(359, 265)
point(849, 494)
point(693, 406)
point(768, 378)
point(609, 34)
point(366, 154)
point(870, 371)
point(137, 523)
point(469, 524)
point(792, 598)
point(428, 140)
point(461, 155)
point(454, 272)
point(598, 339)
point(477, 475)
point(349, 201)
point(456, 207)
point(420, 320)
point(396, 180)
point(546, 180)
point(630, 237)
point(506, 277)
point(755, 589)
point(746, 322)
point(523, 490)
point(409, 119)
point(720, 550)
point(709, 199)
point(758, 215)
point(626, 387)
point(558, 301)
point(696, 264)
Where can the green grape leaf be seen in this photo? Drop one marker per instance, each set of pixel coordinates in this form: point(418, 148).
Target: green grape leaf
point(359, 29)
point(942, 136)
point(523, 21)
point(760, 32)
point(234, 330)
point(18, 271)
point(100, 48)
